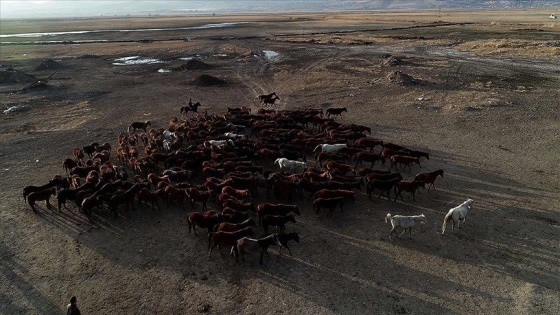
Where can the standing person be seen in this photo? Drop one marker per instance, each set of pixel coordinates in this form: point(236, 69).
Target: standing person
point(72, 308)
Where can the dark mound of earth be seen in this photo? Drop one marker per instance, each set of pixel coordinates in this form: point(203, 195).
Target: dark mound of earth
point(12, 75)
point(208, 80)
point(193, 64)
point(401, 78)
point(49, 64)
point(392, 61)
point(87, 56)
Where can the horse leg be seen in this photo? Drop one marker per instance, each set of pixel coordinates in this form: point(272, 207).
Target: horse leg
point(235, 253)
point(261, 257)
point(32, 204)
point(403, 232)
point(392, 231)
point(410, 232)
point(289, 251)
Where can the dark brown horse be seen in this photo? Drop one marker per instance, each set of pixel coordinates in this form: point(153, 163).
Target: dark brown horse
point(190, 108)
point(410, 187)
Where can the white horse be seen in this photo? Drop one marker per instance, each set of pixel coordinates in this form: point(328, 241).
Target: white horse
point(232, 135)
point(404, 222)
point(457, 214)
point(332, 148)
point(291, 165)
point(168, 135)
point(218, 143)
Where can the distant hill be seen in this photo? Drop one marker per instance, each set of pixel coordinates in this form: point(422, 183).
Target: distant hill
point(30, 9)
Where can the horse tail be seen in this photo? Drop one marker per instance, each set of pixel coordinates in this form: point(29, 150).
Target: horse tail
point(447, 218)
point(277, 161)
point(388, 217)
point(315, 150)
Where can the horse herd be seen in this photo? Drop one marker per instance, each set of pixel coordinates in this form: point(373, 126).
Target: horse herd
point(223, 159)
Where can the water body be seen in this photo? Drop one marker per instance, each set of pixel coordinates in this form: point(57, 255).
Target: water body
point(271, 55)
point(135, 60)
point(200, 27)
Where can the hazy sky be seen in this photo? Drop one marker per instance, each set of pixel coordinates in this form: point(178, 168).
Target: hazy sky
point(81, 8)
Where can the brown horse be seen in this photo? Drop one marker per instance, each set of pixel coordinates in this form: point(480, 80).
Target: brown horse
point(44, 194)
point(429, 178)
point(126, 198)
point(203, 221)
point(139, 125)
point(404, 161)
point(228, 239)
point(190, 108)
point(368, 157)
point(410, 187)
point(147, 195)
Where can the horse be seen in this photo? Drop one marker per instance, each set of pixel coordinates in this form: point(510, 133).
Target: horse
point(190, 108)
point(221, 238)
point(283, 238)
point(290, 165)
point(31, 189)
point(266, 96)
point(330, 193)
point(368, 143)
point(405, 222)
point(275, 209)
point(44, 194)
point(147, 195)
point(336, 111)
point(247, 245)
point(429, 178)
point(368, 157)
point(410, 187)
point(138, 125)
point(457, 214)
point(195, 195)
point(232, 227)
point(383, 185)
point(202, 221)
point(332, 148)
point(277, 220)
point(329, 203)
point(126, 197)
point(270, 101)
point(404, 160)
point(415, 153)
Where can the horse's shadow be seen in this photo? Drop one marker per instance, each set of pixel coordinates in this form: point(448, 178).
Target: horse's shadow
point(22, 287)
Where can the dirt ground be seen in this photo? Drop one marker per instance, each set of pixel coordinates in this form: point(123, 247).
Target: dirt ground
point(488, 117)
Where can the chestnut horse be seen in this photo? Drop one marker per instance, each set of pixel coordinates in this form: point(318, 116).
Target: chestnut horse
point(429, 178)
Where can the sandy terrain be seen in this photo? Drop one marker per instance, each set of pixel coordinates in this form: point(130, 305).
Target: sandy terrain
point(486, 110)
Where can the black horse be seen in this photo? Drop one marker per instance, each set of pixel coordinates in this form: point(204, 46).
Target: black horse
point(190, 108)
point(336, 111)
point(270, 101)
point(264, 97)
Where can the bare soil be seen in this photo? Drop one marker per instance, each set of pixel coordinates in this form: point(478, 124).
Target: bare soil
point(488, 117)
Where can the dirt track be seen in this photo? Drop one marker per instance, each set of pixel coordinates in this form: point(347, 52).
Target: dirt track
point(491, 122)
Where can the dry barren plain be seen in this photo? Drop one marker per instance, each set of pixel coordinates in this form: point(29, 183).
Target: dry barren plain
point(485, 107)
